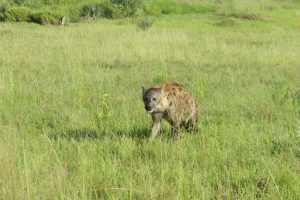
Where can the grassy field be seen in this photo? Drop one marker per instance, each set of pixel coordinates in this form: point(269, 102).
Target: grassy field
point(73, 126)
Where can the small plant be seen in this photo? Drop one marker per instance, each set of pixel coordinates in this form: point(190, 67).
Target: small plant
point(111, 9)
point(99, 10)
point(20, 14)
point(3, 9)
point(14, 14)
point(128, 6)
point(144, 24)
point(102, 112)
point(45, 17)
point(26, 14)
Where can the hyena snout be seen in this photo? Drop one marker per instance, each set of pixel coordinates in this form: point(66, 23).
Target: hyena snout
point(148, 107)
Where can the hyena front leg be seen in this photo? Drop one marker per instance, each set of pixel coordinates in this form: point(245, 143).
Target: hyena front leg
point(189, 126)
point(175, 128)
point(156, 126)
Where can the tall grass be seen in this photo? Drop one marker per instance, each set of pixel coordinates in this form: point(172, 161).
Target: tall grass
point(72, 123)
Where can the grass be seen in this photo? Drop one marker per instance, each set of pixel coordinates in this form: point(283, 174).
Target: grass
point(73, 125)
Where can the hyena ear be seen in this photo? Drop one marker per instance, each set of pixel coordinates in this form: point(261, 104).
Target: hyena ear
point(143, 90)
point(161, 91)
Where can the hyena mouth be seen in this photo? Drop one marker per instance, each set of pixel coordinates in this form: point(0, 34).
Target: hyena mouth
point(150, 111)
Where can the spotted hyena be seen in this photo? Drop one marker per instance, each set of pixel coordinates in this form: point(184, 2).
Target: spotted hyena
point(172, 102)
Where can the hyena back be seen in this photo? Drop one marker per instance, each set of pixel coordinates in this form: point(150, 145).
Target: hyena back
point(174, 103)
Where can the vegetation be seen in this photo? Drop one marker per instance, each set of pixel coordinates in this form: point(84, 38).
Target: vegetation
point(75, 11)
point(13, 11)
point(72, 122)
point(111, 9)
point(144, 24)
point(25, 14)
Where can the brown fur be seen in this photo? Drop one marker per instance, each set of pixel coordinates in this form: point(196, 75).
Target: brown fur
point(176, 105)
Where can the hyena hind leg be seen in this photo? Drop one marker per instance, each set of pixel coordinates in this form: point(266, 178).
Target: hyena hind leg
point(192, 124)
point(195, 120)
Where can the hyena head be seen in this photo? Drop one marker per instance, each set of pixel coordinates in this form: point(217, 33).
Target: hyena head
point(151, 97)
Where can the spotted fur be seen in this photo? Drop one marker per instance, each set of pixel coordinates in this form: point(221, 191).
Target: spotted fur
point(173, 103)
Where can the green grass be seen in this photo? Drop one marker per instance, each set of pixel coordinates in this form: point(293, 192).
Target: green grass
point(73, 126)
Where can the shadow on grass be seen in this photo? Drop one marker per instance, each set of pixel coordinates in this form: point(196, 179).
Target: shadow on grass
point(91, 134)
point(77, 134)
point(135, 133)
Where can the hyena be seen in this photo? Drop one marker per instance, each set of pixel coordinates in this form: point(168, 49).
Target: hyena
point(172, 102)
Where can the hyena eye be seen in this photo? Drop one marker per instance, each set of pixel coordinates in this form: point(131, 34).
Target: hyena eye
point(154, 99)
